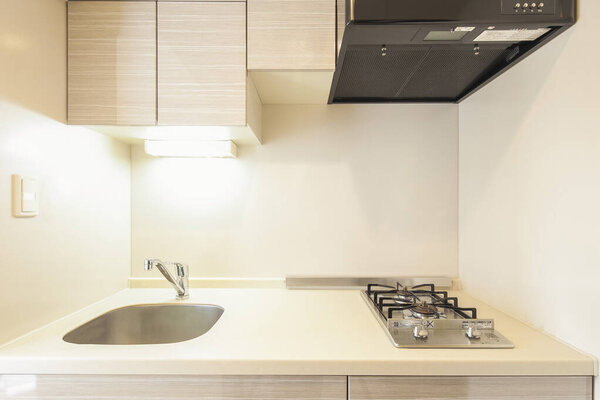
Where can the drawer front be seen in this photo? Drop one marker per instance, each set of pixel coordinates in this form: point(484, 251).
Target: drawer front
point(480, 388)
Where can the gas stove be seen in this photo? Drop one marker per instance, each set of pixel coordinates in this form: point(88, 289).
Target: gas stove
point(422, 316)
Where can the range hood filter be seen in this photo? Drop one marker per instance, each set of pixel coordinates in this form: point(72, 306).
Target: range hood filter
point(408, 73)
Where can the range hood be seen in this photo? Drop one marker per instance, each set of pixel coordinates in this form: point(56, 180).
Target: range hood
point(437, 50)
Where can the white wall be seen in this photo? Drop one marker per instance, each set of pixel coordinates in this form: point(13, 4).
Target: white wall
point(78, 249)
point(334, 190)
point(529, 187)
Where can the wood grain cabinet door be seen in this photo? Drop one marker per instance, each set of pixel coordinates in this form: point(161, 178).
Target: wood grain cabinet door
point(172, 387)
point(291, 34)
point(476, 387)
point(112, 62)
point(201, 63)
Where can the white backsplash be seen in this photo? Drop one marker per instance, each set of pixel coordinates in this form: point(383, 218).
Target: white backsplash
point(334, 190)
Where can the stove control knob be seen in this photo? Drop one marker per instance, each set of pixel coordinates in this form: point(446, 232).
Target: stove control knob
point(420, 332)
point(473, 332)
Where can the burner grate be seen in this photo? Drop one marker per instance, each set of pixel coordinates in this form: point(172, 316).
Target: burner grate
point(423, 301)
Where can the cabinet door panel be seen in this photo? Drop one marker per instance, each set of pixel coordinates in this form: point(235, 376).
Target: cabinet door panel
point(291, 34)
point(119, 387)
point(167, 1)
point(477, 387)
point(201, 63)
point(112, 62)
point(340, 24)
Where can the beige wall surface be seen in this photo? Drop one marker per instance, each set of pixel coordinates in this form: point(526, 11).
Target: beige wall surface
point(77, 250)
point(529, 209)
point(334, 190)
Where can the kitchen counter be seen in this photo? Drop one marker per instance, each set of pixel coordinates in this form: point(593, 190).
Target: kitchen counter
point(285, 332)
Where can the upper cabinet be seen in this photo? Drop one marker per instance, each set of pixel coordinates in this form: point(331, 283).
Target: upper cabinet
point(190, 69)
point(148, 62)
point(291, 34)
point(201, 63)
point(340, 24)
point(112, 62)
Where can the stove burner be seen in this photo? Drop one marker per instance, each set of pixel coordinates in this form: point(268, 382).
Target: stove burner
point(423, 310)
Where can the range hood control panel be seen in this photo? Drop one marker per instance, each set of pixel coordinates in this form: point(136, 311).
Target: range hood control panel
point(528, 7)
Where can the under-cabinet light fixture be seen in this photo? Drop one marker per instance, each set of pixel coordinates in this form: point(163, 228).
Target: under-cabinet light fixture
point(190, 148)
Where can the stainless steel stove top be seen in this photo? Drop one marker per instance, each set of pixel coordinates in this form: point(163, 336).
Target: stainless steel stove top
point(422, 316)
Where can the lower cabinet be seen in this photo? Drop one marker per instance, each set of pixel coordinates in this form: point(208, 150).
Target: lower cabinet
point(167, 387)
point(480, 388)
point(174, 387)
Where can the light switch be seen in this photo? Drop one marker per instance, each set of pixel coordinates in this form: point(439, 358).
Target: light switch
point(25, 196)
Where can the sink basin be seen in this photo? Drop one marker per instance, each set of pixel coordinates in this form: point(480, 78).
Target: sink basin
point(147, 324)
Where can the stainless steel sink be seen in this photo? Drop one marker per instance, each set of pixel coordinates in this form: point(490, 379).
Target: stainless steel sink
point(147, 324)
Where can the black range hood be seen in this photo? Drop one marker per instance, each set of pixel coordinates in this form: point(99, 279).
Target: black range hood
point(437, 50)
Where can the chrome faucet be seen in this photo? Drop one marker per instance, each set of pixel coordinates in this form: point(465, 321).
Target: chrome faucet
point(181, 284)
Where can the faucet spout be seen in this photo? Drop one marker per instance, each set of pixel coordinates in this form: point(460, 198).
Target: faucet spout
point(180, 283)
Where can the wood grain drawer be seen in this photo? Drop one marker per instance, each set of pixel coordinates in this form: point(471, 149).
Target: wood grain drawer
point(167, 387)
point(480, 388)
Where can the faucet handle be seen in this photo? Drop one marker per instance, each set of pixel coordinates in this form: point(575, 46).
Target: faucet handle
point(183, 280)
point(182, 270)
point(148, 264)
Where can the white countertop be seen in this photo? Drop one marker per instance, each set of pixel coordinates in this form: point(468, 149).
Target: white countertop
point(284, 332)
